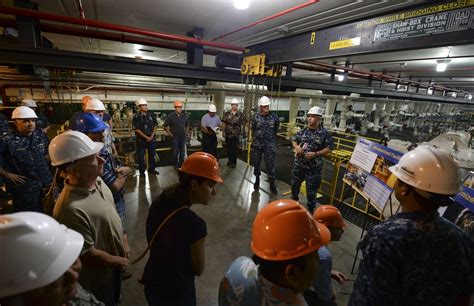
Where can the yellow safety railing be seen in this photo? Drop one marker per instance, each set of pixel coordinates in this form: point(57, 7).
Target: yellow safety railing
point(333, 164)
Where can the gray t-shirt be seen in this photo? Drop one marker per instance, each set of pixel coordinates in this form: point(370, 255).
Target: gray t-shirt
point(178, 124)
point(92, 213)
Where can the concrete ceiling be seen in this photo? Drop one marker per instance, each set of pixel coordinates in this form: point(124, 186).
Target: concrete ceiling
point(219, 16)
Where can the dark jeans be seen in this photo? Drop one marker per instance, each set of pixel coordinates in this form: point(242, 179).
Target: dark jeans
point(157, 296)
point(26, 197)
point(109, 294)
point(143, 146)
point(209, 144)
point(232, 147)
point(313, 300)
point(179, 150)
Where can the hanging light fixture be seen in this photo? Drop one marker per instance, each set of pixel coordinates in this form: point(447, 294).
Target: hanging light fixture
point(442, 65)
point(241, 4)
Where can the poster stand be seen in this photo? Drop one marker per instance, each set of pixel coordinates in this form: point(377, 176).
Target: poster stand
point(366, 217)
point(369, 176)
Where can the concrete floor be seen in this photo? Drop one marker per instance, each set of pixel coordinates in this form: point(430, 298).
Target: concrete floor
point(229, 218)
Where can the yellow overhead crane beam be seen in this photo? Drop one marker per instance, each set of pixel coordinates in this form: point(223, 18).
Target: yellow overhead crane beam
point(255, 65)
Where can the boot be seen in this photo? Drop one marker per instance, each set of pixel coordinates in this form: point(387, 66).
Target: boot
point(273, 187)
point(256, 185)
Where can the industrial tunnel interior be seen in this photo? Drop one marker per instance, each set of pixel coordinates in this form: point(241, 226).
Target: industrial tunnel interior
point(382, 78)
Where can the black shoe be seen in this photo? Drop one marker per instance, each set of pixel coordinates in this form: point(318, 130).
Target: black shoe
point(229, 163)
point(232, 166)
point(142, 173)
point(153, 172)
point(273, 187)
point(256, 185)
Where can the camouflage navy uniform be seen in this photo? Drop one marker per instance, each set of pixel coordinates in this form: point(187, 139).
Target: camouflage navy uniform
point(25, 155)
point(414, 258)
point(264, 129)
point(233, 130)
point(4, 125)
point(145, 122)
point(310, 140)
point(84, 298)
point(42, 122)
point(4, 129)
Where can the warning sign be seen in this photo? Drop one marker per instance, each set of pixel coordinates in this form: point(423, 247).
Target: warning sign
point(417, 13)
point(345, 43)
point(425, 25)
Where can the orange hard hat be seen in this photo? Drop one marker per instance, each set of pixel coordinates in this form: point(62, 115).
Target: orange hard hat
point(203, 165)
point(284, 230)
point(329, 215)
point(86, 99)
point(324, 232)
point(178, 104)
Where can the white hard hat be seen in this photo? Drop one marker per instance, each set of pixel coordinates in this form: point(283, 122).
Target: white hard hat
point(71, 146)
point(370, 125)
point(95, 105)
point(264, 101)
point(315, 110)
point(23, 112)
point(141, 101)
point(429, 169)
point(29, 103)
point(212, 108)
point(234, 101)
point(36, 251)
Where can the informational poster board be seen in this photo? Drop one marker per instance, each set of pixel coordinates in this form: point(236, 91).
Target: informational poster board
point(466, 196)
point(423, 25)
point(367, 171)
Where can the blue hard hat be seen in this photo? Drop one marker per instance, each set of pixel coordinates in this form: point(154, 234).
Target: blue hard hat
point(89, 123)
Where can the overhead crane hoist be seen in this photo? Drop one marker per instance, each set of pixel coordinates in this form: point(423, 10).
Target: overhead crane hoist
point(255, 72)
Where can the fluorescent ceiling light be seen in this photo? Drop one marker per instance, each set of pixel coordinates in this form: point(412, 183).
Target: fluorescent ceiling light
point(442, 65)
point(469, 97)
point(430, 91)
point(340, 77)
point(241, 4)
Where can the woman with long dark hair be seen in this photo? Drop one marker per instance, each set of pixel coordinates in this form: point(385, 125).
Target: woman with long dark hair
point(177, 251)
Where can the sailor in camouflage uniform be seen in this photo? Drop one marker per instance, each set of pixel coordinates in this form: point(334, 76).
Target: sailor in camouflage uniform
point(4, 125)
point(144, 124)
point(310, 144)
point(42, 122)
point(417, 257)
point(233, 120)
point(23, 163)
point(265, 125)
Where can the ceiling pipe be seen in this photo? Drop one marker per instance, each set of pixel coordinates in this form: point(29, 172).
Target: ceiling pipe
point(431, 70)
point(325, 70)
point(282, 13)
point(115, 27)
point(410, 60)
point(381, 76)
point(123, 38)
point(365, 74)
point(83, 16)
